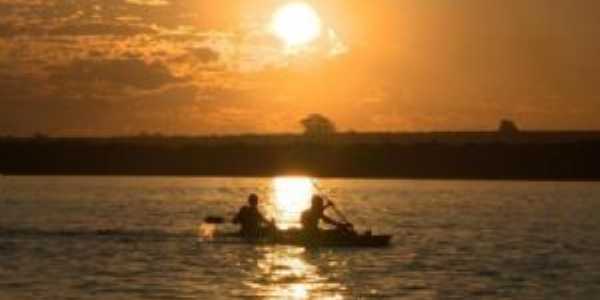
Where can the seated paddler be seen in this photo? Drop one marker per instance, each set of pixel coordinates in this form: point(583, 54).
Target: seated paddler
point(253, 223)
point(311, 217)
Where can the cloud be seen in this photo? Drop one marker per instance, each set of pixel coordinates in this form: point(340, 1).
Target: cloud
point(92, 29)
point(204, 54)
point(114, 73)
point(8, 30)
point(149, 2)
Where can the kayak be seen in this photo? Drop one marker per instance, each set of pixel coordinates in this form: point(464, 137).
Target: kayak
point(325, 238)
point(334, 238)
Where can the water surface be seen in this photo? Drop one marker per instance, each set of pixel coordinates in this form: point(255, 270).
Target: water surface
point(137, 238)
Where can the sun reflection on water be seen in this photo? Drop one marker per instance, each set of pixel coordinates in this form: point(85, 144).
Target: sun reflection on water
point(291, 196)
point(284, 273)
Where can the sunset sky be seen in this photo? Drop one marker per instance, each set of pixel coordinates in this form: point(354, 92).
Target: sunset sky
point(118, 67)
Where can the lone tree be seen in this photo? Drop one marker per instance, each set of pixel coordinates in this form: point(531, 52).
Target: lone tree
point(508, 127)
point(317, 125)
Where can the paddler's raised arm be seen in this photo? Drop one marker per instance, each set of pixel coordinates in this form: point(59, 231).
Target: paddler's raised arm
point(263, 219)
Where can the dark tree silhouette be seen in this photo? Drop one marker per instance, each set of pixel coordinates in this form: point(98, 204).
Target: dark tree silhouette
point(508, 127)
point(317, 125)
point(530, 155)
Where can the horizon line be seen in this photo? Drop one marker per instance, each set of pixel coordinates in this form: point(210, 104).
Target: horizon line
point(143, 134)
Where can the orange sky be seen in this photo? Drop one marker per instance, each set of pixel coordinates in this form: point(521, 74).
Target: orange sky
point(113, 67)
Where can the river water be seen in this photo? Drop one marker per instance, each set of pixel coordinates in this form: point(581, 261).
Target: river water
point(138, 238)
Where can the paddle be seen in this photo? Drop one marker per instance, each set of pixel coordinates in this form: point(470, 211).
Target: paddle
point(332, 204)
point(337, 211)
point(214, 220)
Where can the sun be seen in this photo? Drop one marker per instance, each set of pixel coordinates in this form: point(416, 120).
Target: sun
point(296, 24)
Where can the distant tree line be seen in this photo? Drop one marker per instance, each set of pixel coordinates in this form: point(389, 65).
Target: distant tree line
point(494, 160)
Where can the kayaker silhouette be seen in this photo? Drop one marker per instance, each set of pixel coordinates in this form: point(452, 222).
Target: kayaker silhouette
point(252, 222)
point(311, 217)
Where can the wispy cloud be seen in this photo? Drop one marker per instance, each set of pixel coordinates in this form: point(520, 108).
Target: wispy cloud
point(149, 2)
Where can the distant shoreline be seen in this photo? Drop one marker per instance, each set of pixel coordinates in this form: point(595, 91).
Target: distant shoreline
point(225, 176)
point(518, 156)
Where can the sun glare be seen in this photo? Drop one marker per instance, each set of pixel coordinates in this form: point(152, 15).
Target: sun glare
point(296, 24)
point(291, 196)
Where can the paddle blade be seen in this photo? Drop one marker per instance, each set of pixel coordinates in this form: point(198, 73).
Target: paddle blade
point(214, 220)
